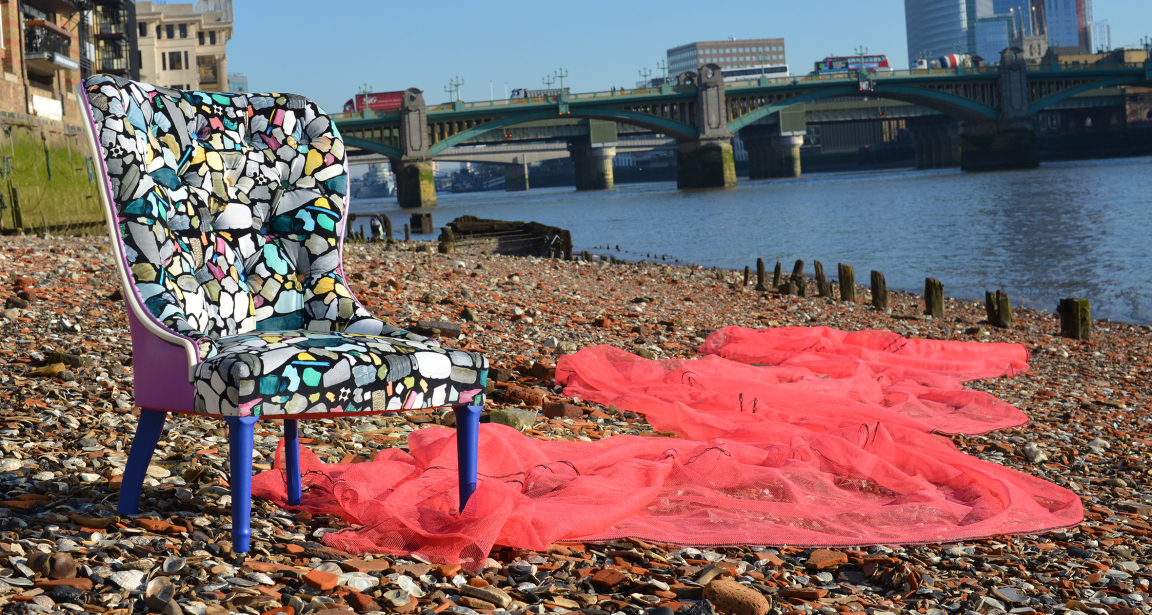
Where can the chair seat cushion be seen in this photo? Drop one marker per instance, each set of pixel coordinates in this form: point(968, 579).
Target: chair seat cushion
point(273, 373)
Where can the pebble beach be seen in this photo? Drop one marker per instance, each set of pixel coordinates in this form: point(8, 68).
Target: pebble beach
point(67, 418)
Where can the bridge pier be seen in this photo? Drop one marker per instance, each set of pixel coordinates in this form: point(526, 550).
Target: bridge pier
point(937, 146)
point(593, 166)
point(415, 183)
point(705, 163)
point(772, 154)
point(989, 146)
point(516, 177)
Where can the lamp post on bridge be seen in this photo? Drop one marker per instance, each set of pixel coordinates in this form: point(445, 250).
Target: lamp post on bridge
point(454, 87)
point(561, 74)
point(662, 66)
point(645, 74)
point(548, 81)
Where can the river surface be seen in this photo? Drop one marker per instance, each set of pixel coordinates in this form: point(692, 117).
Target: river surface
point(1067, 229)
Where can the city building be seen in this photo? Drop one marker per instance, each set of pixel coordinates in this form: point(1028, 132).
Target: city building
point(238, 83)
point(40, 46)
point(1101, 36)
point(1067, 23)
point(733, 53)
point(110, 45)
point(993, 35)
point(941, 27)
point(184, 46)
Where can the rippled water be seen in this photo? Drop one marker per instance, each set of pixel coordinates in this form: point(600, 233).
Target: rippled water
point(1076, 229)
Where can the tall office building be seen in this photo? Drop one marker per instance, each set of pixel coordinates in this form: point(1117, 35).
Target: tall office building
point(940, 27)
point(1068, 23)
point(1101, 36)
point(727, 54)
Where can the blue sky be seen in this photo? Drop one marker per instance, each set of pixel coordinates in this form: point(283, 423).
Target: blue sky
point(326, 50)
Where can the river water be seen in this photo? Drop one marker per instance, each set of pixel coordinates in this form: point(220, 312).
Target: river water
point(1067, 229)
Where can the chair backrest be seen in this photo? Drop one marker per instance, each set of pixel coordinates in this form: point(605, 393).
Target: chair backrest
point(230, 206)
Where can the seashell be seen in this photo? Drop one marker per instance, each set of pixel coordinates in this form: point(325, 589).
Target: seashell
point(172, 565)
point(397, 597)
point(128, 579)
point(158, 593)
point(409, 586)
point(260, 577)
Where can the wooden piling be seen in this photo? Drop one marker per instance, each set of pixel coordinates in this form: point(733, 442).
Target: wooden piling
point(933, 298)
point(760, 275)
point(789, 288)
point(387, 228)
point(747, 274)
point(823, 286)
point(999, 309)
point(1075, 318)
point(407, 233)
point(776, 276)
point(847, 278)
point(798, 271)
point(879, 291)
point(566, 243)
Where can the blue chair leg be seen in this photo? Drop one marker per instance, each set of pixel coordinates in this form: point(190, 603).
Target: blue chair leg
point(139, 456)
point(240, 432)
point(292, 459)
point(467, 445)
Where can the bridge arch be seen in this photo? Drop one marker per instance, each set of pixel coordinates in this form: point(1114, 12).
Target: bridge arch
point(672, 128)
point(373, 146)
point(961, 108)
point(1107, 82)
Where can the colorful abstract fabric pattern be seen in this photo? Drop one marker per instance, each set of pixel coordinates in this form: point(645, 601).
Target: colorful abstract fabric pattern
point(293, 372)
point(231, 215)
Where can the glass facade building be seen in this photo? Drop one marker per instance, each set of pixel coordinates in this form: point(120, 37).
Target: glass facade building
point(940, 27)
point(1068, 22)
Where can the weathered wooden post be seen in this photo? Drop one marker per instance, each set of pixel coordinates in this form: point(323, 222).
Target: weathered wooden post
point(1075, 318)
point(776, 276)
point(566, 244)
point(999, 309)
point(747, 274)
point(789, 288)
point(760, 275)
point(387, 228)
point(798, 279)
point(879, 291)
point(933, 298)
point(407, 233)
point(823, 286)
point(447, 240)
point(847, 278)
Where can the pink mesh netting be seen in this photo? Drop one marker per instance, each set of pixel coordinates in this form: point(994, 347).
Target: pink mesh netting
point(804, 437)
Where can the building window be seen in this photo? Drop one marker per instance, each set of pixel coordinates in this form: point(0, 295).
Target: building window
point(212, 37)
point(164, 61)
point(171, 30)
point(174, 61)
point(143, 27)
point(183, 30)
point(157, 31)
point(200, 36)
point(186, 60)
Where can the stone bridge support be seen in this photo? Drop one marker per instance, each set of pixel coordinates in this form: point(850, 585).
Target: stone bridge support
point(771, 153)
point(516, 177)
point(415, 182)
point(937, 145)
point(708, 160)
point(593, 165)
point(1010, 141)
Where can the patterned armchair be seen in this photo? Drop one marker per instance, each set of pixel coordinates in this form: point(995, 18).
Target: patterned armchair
point(227, 212)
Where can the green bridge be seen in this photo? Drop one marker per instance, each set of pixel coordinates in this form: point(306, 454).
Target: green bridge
point(996, 107)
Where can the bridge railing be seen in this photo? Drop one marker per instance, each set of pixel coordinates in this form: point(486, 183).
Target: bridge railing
point(1083, 67)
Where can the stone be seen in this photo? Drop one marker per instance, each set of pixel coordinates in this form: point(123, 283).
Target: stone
point(449, 329)
point(78, 583)
point(321, 580)
point(608, 578)
point(48, 371)
point(826, 558)
point(12, 314)
point(733, 598)
point(361, 565)
point(514, 418)
point(71, 360)
point(564, 348)
point(491, 594)
point(561, 410)
point(530, 396)
point(15, 303)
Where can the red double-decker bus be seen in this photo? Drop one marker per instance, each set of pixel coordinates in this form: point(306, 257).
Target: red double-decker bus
point(843, 64)
point(377, 101)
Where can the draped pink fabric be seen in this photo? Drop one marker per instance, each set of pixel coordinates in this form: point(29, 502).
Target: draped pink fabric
point(797, 436)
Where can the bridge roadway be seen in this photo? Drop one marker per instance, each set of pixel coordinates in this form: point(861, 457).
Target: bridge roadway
point(996, 107)
point(521, 144)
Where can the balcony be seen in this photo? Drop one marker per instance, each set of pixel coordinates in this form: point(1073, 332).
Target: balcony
point(60, 7)
point(46, 47)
